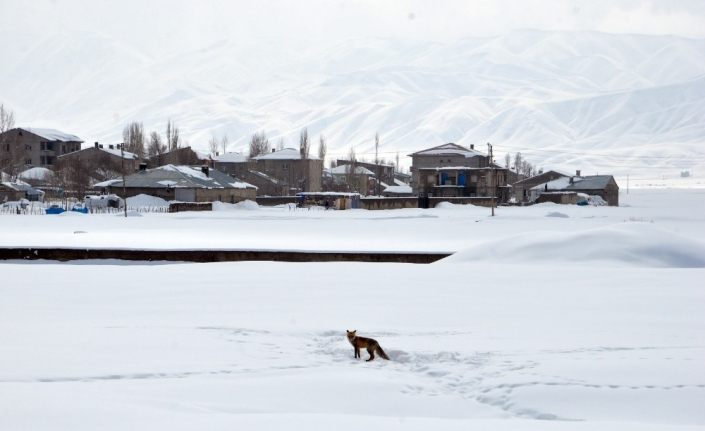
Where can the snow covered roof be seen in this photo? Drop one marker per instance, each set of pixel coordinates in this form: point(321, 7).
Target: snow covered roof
point(179, 176)
point(112, 151)
point(232, 157)
point(52, 134)
point(345, 169)
point(36, 173)
point(448, 149)
point(285, 154)
point(592, 182)
point(539, 177)
point(119, 153)
point(405, 189)
point(16, 185)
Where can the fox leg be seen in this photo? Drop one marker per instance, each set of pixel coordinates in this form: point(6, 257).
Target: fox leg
point(357, 352)
point(371, 351)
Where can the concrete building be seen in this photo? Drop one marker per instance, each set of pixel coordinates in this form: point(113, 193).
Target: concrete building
point(182, 183)
point(99, 162)
point(604, 186)
point(454, 171)
point(294, 173)
point(27, 147)
point(521, 189)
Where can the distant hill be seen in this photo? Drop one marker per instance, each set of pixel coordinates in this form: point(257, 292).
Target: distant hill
point(568, 100)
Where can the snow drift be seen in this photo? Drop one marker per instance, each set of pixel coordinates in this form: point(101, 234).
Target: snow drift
point(632, 244)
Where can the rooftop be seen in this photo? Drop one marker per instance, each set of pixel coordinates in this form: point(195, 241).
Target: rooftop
point(52, 134)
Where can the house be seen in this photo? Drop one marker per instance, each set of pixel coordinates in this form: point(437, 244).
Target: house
point(597, 185)
point(295, 174)
point(99, 162)
point(26, 147)
point(399, 189)
point(180, 156)
point(232, 163)
point(384, 173)
point(17, 190)
point(521, 188)
point(345, 179)
point(182, 183)
point(454, 171)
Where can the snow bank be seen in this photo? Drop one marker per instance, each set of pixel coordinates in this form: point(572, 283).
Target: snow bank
point(244, 205)
point(146, 201)
point(632, 244)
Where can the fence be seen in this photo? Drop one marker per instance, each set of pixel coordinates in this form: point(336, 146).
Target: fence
point(40, 208)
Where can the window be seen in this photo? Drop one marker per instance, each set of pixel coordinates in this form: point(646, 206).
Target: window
point(27, 147)
point(28, 162)
point(43, 146)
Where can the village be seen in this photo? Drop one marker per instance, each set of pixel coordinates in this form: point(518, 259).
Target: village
point(46, 166)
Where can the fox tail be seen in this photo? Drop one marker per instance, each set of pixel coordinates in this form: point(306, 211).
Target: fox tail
point(381, 353)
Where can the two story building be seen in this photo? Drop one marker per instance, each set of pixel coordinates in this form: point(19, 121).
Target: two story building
point(27, 147)
point(453, 171)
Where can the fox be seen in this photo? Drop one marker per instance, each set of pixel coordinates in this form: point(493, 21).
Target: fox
point(371, 345)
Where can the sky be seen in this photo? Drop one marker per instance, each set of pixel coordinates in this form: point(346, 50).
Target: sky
point(171, 26)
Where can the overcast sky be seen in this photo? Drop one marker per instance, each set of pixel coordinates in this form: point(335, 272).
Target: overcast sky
point(188, 24)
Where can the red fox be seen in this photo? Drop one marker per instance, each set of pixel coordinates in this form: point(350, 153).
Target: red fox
point(371, 345)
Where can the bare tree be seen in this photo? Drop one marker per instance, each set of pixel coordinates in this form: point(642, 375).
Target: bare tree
point(376, 148)
point(12, 162)
point(133, 138)
point(304, 144)
point(224, 142)
point(350, 175)
point(507, 160)
point(517, 163)
point(280, 144)
point(259, 144)
point(156, 147)
point(322, 148)
point(213, 146)
point(396, 165)
point(173, 140)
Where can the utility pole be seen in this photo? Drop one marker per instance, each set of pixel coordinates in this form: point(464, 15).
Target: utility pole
point(122, 164)
point(492, 179)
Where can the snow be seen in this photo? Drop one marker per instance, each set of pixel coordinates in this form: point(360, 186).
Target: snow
point(36, 173)
point(398, 189)
point(188, 171)
point(53, 134)
point(587, 322)
point(231, 157)
point(285, 154)
point(345, 169)
point(146, 201)
point(241, 185)
point(120, 153)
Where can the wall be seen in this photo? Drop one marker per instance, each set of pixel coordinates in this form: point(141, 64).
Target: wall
point(389, 203)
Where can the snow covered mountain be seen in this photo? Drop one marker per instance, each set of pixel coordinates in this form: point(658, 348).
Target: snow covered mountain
point(623, 104)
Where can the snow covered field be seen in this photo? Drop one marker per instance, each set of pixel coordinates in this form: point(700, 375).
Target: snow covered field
point(549, 318)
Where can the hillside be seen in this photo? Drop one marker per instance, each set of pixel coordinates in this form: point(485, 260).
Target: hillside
point(626, 104)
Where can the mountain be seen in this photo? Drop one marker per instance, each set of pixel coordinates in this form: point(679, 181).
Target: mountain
point(623, 104)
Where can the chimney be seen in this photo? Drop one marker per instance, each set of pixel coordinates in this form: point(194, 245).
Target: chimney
point(274, 150)
point(472, 146)
point(100, 146)
point(143, 166)
point(205, 170)
point(118, 146)
point(96, 145)
point(572, 179)
point(577, 173)
point(111, 146)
